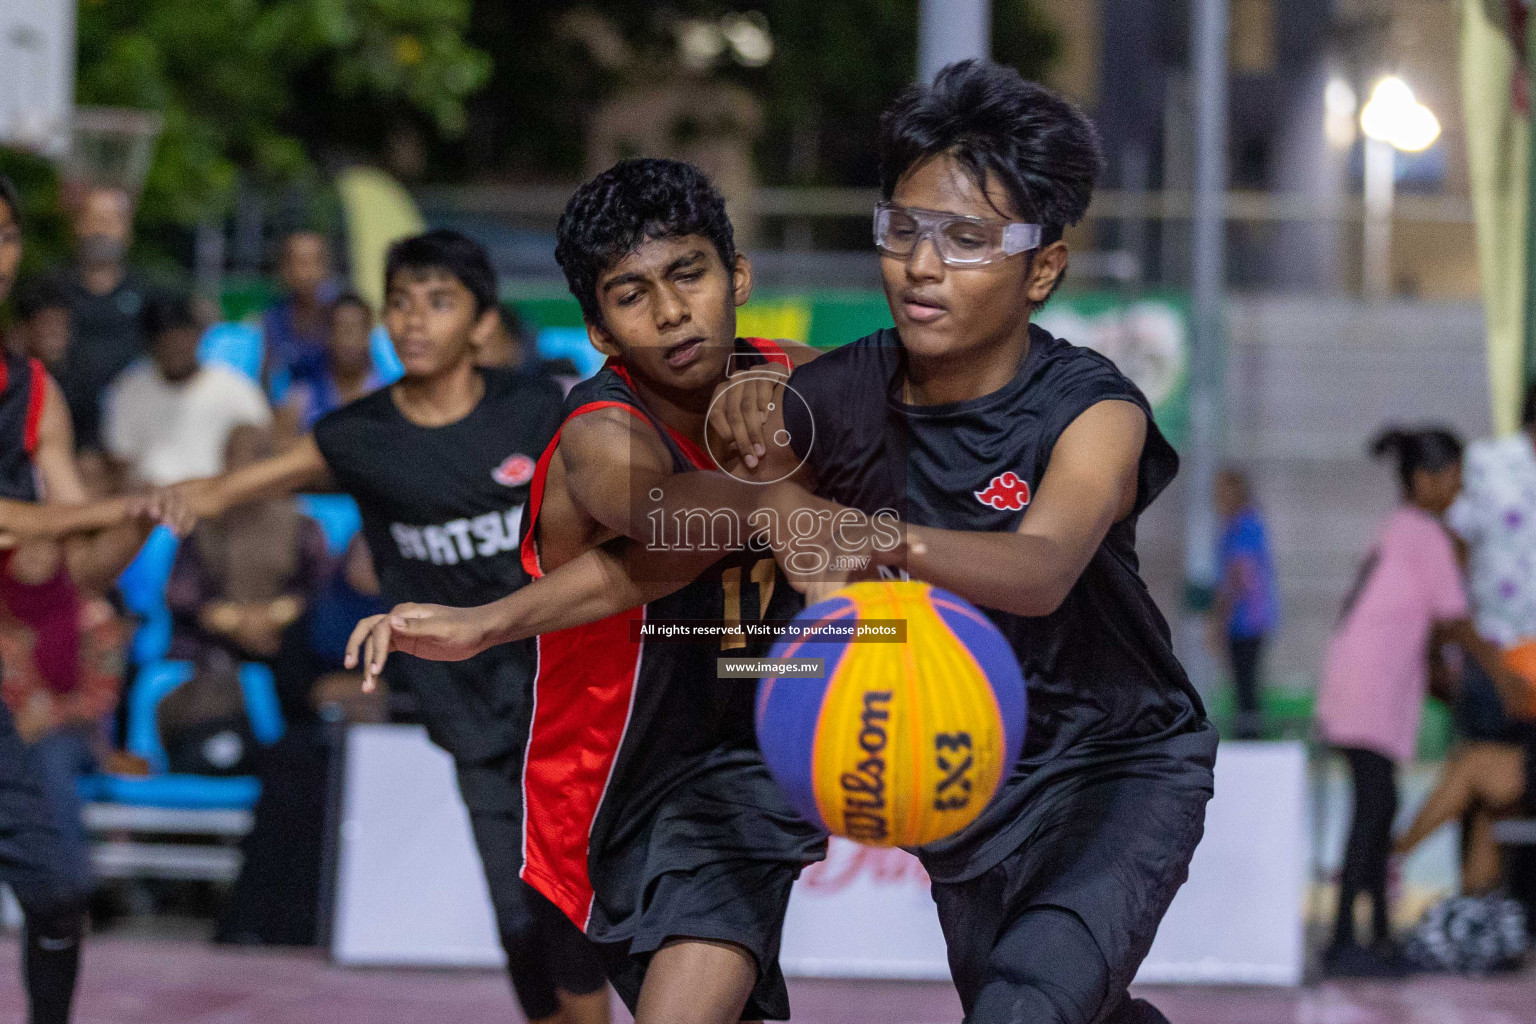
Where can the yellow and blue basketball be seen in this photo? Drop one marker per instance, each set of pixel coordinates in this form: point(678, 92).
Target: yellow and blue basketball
point(899, 744)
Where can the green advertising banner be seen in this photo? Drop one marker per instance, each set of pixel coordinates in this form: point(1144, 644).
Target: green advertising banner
point(1146, 335)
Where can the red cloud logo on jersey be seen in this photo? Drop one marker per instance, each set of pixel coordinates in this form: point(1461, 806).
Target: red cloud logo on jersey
point(516, 471)
point(1006, 492)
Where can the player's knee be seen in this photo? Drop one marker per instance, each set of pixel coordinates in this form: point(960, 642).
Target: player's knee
point(519, 935)
point(1046, 968)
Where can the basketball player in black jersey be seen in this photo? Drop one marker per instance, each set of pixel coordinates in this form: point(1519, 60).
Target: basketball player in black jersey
point(37, 465)
point(1021, 464)
point(440, 465)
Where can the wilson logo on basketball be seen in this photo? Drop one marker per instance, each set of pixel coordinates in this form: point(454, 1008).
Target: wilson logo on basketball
point(516, 471)
point(1005, 492)
point(864, 808)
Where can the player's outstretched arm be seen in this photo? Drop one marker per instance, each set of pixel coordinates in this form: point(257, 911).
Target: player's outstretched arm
point(1090, 483)
point(299, 467)
point(599, 583)
point(100, 538)
point(22, 521)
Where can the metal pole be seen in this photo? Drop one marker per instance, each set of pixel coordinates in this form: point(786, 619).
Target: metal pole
point(1380, 183)
point(951, 30)
point(1529, 361)
point(1210, 31)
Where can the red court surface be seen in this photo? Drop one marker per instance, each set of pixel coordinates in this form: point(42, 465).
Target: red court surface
point(142, 981)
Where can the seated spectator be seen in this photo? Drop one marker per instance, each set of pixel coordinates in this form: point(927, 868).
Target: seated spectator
point(63, 653)
point(237, 584)
point(295, 326)
point(169, 420)
point(42, 324)
point(512, 346)
point(1481, 784)
point(348, 373)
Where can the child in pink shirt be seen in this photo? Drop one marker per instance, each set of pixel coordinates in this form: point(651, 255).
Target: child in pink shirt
point(1408, 594)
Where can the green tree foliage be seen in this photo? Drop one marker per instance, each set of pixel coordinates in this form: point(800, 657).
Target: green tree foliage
point(834, 68)
point(237, 81)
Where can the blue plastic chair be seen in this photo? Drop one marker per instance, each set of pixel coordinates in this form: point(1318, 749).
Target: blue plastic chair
point(386, 362)
point(143, 588)
point(164, 788)
point(571, 343)
point(236, 345)
point(337, 515)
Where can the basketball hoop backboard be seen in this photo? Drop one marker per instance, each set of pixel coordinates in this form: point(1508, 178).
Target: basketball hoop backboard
point(37, 74)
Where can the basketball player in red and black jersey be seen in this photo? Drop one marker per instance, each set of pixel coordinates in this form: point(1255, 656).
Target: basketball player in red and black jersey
point(41, 501)
point(440, 464)
point(651, 819)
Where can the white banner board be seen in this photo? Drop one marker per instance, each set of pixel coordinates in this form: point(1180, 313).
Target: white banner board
point(410, 890)
point(37, 74)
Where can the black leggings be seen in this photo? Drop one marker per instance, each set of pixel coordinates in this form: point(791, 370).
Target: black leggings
point(1370, 843)
point(1246, 653)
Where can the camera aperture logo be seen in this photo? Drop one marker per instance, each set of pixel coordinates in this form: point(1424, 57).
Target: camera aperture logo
point(778, 441)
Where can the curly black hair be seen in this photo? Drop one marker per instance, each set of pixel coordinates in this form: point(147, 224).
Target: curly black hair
point(1038, 145)
point(452, 252)
point(631, 202)
point(39, 294)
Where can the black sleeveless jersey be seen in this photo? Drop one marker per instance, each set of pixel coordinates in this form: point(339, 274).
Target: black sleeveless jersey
point(23, 386)
point(640, 761)
point(1102, 679)
point(442, 511)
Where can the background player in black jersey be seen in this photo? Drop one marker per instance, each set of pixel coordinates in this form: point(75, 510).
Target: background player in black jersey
point(440, 464)
point(37, 465)
point(1021, 464)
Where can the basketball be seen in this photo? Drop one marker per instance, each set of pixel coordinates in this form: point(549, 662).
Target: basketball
point(899, 743)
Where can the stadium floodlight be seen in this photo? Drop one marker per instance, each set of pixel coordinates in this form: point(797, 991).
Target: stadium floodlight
point(1394, 120)
point(1395, 116)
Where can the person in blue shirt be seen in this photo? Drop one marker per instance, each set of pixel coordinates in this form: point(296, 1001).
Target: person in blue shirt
point(295, 327)
point(347, 372)
point(1247, 604)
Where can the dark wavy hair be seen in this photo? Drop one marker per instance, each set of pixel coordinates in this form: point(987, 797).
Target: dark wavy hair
point(1039, 146)
point(167, 311)
point(1429, 448)
point(451, 252)
point(37, 295)
point(631, 202)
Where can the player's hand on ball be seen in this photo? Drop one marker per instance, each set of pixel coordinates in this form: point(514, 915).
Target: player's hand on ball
point(431, 631)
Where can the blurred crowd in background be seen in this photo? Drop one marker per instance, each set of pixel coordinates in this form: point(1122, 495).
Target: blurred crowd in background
point(161, 392)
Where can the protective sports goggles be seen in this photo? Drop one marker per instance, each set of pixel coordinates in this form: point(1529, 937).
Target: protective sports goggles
point(960, 241)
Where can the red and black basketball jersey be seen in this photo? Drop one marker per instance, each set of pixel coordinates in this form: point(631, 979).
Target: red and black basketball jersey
point(640, 761)
point(23, 386)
